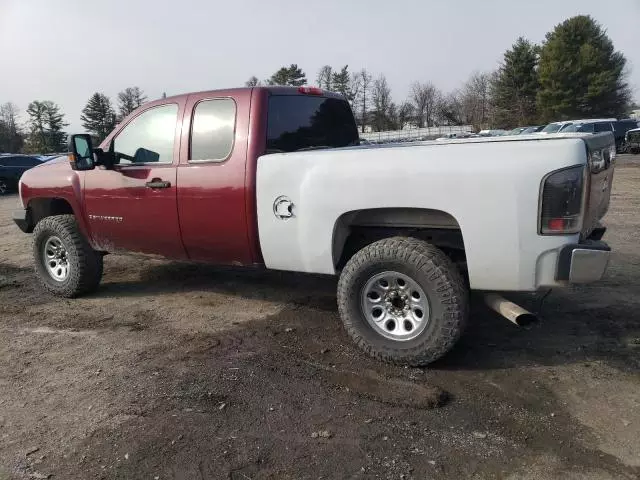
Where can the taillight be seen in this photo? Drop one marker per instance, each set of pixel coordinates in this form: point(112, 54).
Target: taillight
point(562, 202)
point(310, 90)
point(600, 160)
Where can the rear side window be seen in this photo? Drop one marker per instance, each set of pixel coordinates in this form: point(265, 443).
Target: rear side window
point(603, 127)
point(299, 122)
point(625, 125)
point(213, 130)
point(586, 128)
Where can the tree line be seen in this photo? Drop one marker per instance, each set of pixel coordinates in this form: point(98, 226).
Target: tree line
point(44, 129)
point(575, 73)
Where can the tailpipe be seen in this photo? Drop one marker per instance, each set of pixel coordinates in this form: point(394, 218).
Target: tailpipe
point(509, 310)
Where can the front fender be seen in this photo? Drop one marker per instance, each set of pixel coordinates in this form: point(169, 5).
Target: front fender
point(54, 180)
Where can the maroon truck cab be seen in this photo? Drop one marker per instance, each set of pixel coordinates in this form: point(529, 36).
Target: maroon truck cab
point(195, 199)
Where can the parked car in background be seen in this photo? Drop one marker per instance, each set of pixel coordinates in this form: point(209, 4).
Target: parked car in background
point(590, 126)
point(492, 133)
point(620, 129)
point(516, 131)
point(450, 136)
point(632, 141)
point(556, 127)
point(12, 167)
point(533, 129)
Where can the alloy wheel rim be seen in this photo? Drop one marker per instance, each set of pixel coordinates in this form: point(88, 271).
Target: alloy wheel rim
point(56, 260)
point(395, 306)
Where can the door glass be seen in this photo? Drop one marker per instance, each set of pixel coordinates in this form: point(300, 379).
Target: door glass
point(212, 131)
point(586, 128)
point(148, 138)
point(603, 127)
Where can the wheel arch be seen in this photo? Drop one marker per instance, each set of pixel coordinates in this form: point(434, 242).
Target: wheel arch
point(43, 207)
point(358, 228)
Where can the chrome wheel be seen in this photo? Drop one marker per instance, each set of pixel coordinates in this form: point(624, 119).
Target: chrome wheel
point(3, 187)
point(55, 259)
point(395, 306)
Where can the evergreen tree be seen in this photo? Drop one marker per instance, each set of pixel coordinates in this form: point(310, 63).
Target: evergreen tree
point(291, 75)
point(341, 83)
point(581, 75)
point(98, 116)
point(46, 124)
point(128, 100)
point(55, 123)
point(516, 85)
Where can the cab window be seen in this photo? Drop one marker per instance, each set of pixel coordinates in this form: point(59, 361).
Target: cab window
point(148, 138)
point(213, 130)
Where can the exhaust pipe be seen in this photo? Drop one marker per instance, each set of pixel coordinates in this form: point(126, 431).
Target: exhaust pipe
point(509, 310)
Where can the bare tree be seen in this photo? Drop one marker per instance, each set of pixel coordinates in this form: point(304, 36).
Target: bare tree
point(450, 110)
point(405, 114)
point(355, 87)
point(425, 98)
point(325, 77)
point(381, 100)
point(252, 82)
point(128, 100)
point(475, 100)
point(11, 138)
point(363, 100)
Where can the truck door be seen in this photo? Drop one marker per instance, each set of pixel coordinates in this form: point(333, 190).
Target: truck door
point(212, 198)
point(134, 206)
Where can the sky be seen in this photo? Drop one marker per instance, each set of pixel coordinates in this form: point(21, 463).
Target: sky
point(65, 50)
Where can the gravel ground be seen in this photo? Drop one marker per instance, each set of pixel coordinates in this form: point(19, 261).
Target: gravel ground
point(176, 371)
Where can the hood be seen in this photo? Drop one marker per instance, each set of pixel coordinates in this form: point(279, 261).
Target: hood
point(61, 162)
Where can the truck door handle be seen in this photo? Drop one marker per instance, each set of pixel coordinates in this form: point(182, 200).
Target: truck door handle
point(157, 183)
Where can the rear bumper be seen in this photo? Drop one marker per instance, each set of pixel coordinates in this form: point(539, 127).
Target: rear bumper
point(583, 262)
point(22, 220)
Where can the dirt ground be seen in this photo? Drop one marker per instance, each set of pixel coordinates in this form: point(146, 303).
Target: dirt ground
point(174, 371)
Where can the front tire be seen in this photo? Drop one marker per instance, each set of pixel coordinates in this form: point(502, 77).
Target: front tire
point(403, 301)
point(66, 264)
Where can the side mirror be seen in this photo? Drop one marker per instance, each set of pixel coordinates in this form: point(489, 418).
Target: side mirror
point(81, 152)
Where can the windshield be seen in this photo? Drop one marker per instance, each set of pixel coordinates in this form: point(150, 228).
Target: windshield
point(575, 127)
point(297, 122)
point(553, 128)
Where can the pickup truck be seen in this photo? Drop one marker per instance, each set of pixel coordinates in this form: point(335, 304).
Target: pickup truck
point(275, 177)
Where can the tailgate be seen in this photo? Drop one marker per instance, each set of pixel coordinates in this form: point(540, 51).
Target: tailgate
point(601, 156)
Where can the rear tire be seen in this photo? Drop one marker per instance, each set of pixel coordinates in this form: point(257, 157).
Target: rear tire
point(4, 186)
point(409, 332)
point(66, 264)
